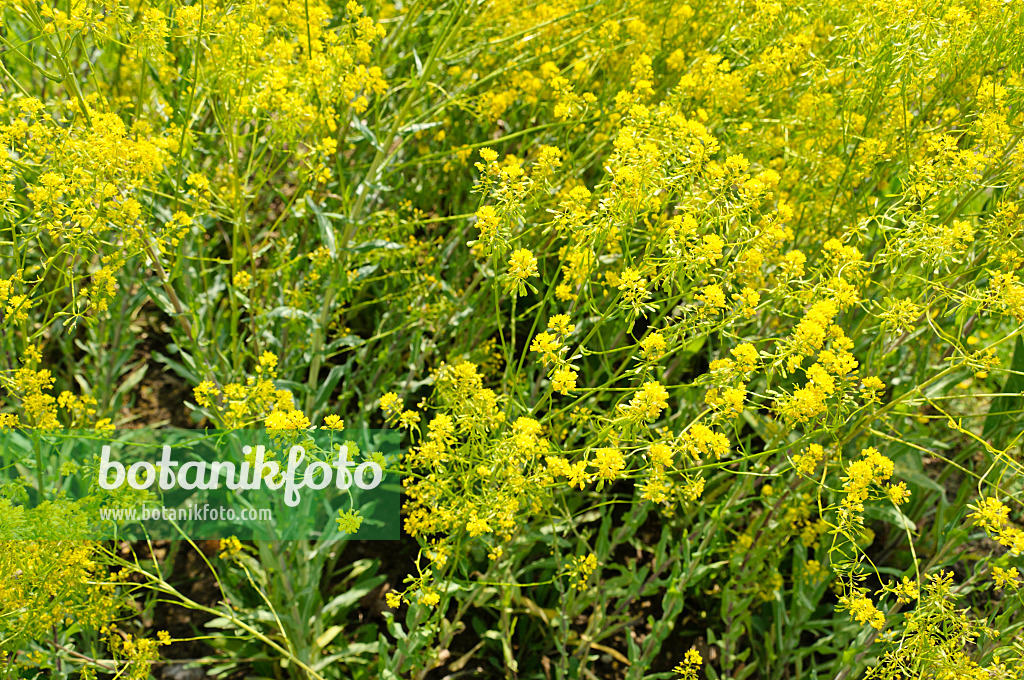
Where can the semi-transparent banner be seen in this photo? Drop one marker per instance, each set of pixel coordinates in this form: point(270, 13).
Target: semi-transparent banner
point(177, 484)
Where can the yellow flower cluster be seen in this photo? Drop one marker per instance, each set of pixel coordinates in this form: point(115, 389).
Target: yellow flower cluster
point(994, 517)
point(689, 666)
point(872, 469)
point(862, 609)
point(51, 583)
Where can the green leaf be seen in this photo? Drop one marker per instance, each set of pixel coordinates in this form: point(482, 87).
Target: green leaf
point(326, 230)
point(1005, 412)
point(375, 244)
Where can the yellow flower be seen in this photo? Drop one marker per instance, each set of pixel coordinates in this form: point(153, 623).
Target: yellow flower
point(348, 521)
point(390, 404)
point(577, 474)
point(609, 463)
point(242, 279)
point(687, 668)
point(286, 420)
point(560, 324)
point(489, 223)
point(746, 356)
point(700, 440)
point(477, 525)
point(1006, 577)
point(649, 401)
point(409, 418)
point(807, 461)
point(653, 346)
point(712, 296)
point(547, 345)
point(873, 386)
point(230, 548)
point(898, 493)
point(862, 609)
point(563, 380)
point(522, 266)
point(580, 570)
point(693, 488)
point(661, 454)
point(634, 290)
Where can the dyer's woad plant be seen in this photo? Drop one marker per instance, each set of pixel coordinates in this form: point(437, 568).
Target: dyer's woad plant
point(703, 323)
